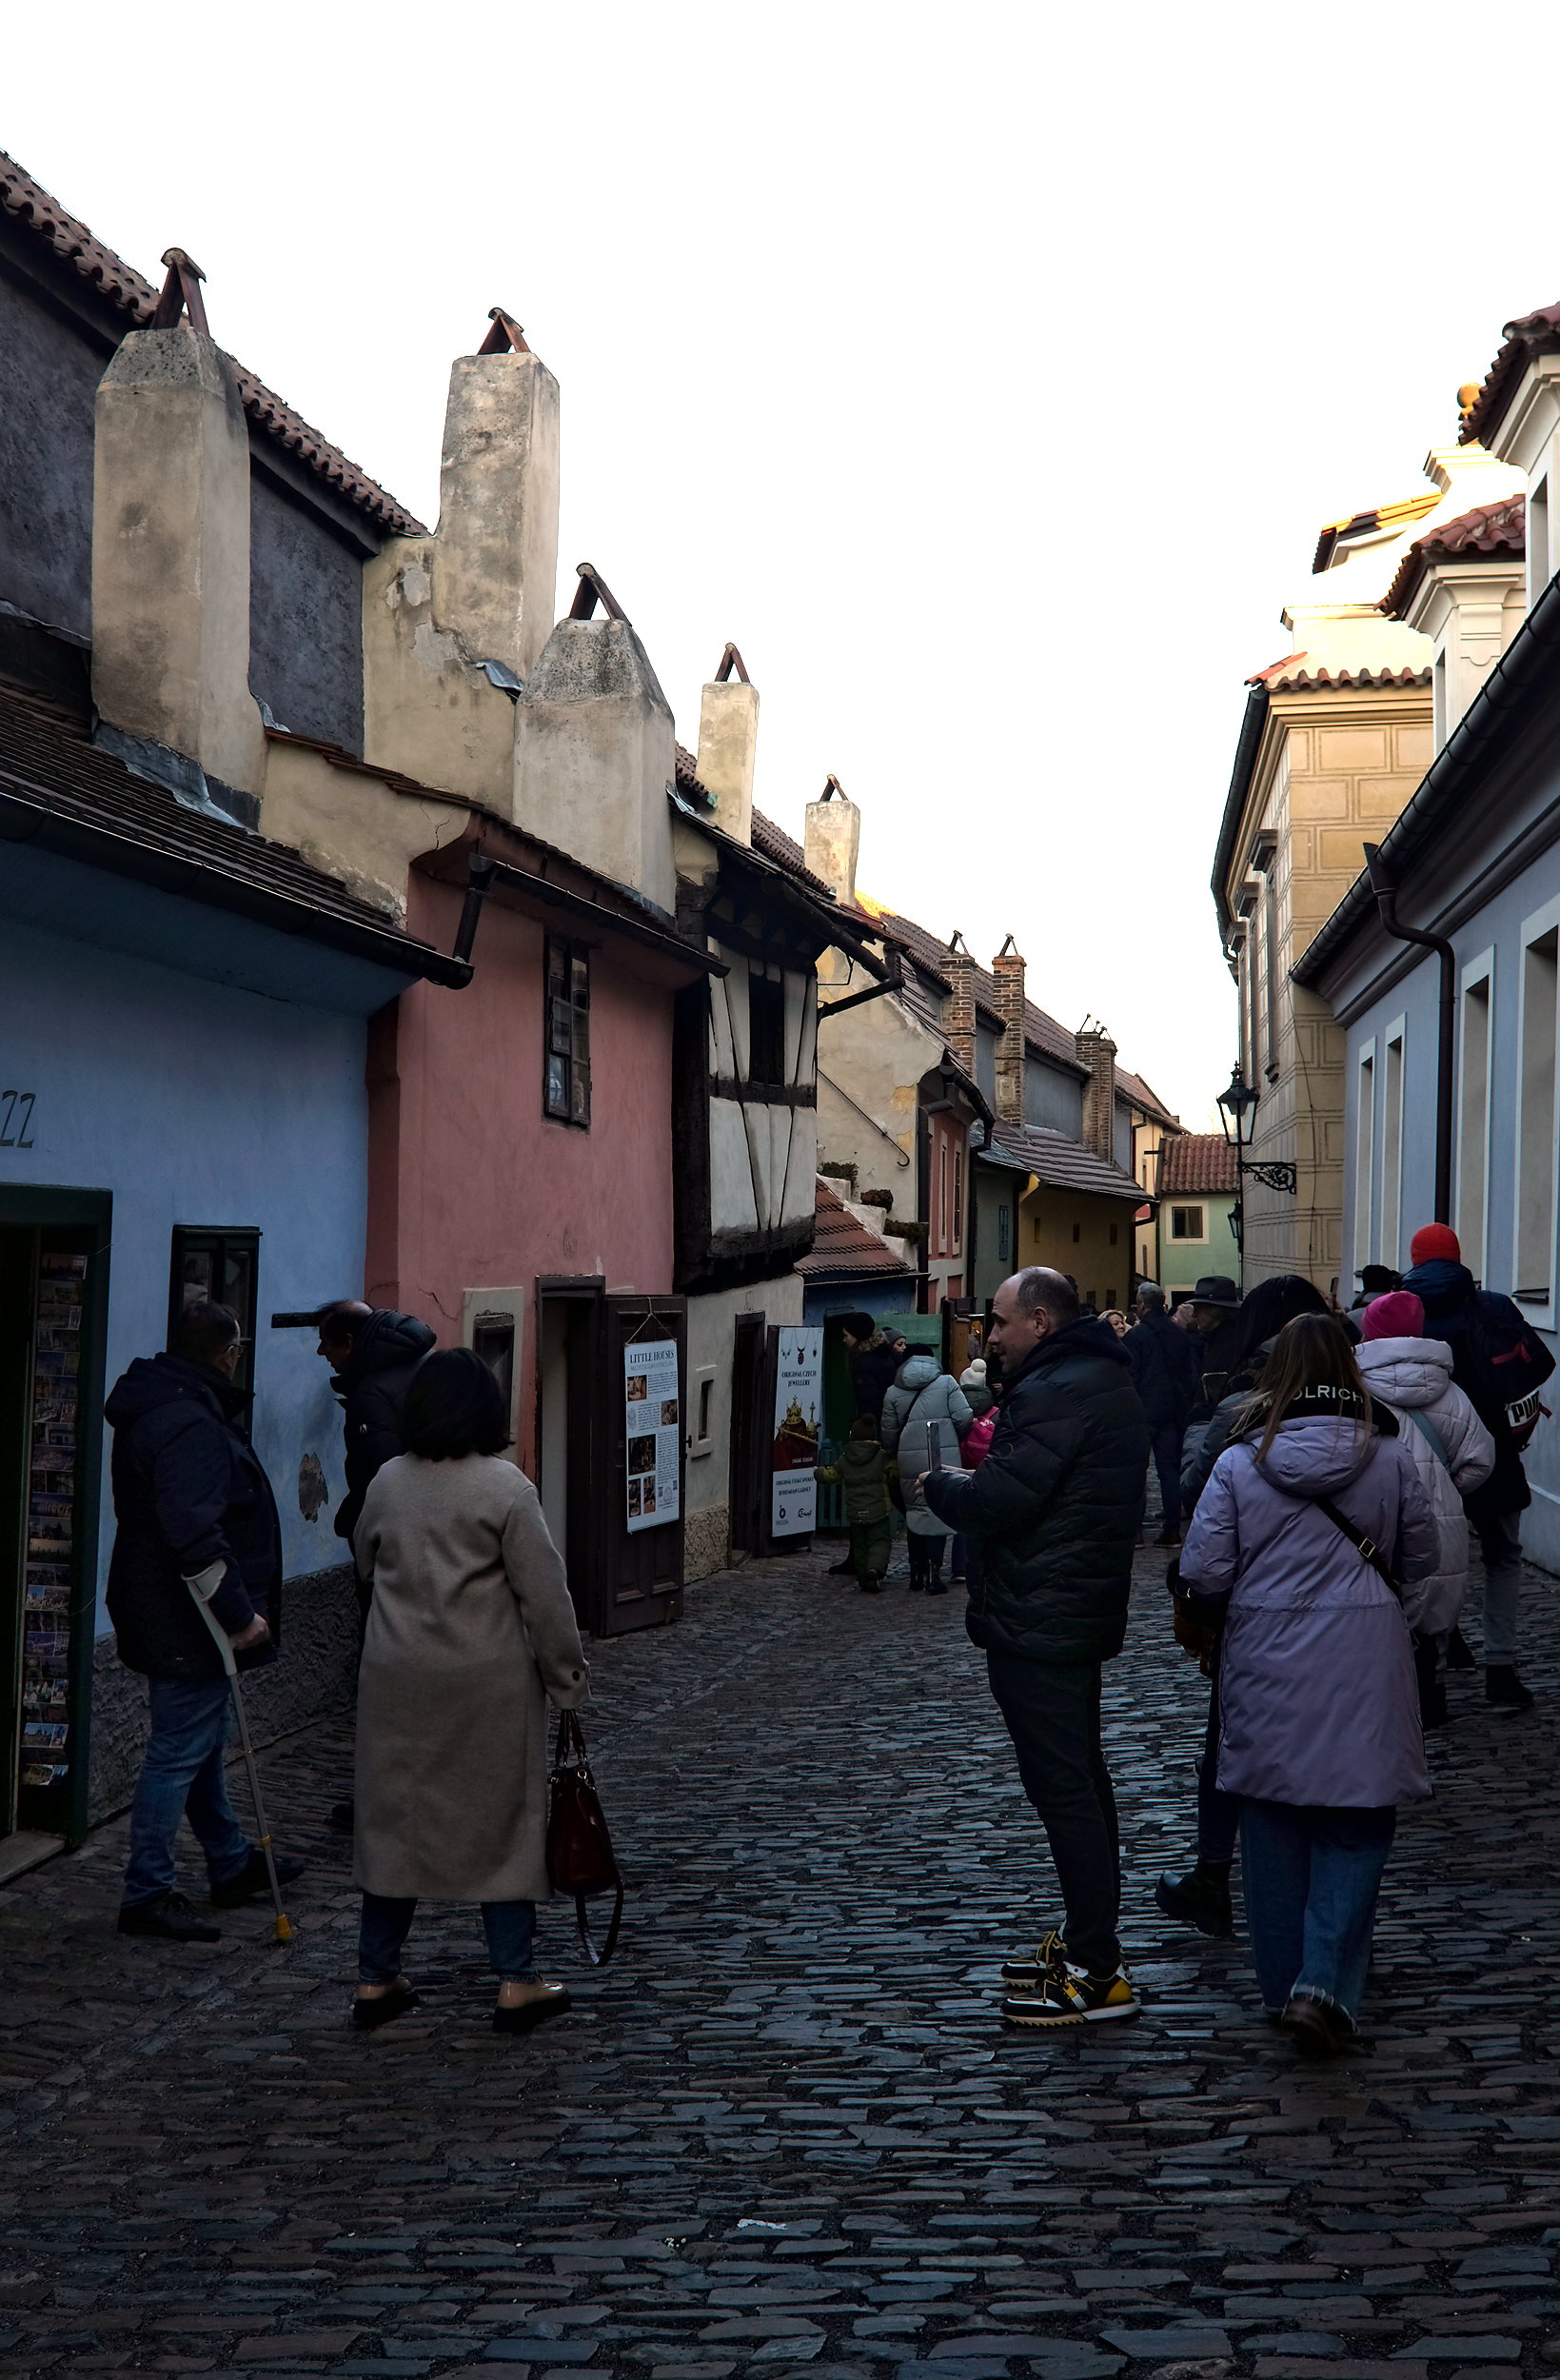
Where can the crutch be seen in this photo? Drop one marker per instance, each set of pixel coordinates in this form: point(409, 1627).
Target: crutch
point(229, 1662)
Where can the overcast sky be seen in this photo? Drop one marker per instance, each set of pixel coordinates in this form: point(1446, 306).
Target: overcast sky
point(985, 373)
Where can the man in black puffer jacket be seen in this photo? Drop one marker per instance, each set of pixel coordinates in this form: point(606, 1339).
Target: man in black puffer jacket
point(372, 1352)
point(1051, 1519)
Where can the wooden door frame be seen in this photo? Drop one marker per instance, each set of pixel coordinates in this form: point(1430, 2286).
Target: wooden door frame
point(584, 1297)
point(747, 1472)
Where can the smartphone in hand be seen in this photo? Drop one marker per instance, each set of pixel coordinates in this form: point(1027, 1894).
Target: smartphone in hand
point(934, 1445)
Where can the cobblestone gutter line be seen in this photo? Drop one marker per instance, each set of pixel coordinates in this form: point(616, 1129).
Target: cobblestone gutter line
point(785, 2130)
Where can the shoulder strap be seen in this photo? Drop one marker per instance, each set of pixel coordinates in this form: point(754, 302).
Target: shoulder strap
point(1430, 1435)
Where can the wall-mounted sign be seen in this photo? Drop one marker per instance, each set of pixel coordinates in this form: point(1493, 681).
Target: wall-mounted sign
point(654, 1407)
point(799, 1396)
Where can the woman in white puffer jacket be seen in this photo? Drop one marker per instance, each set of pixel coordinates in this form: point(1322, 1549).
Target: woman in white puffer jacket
point(1452, 1449)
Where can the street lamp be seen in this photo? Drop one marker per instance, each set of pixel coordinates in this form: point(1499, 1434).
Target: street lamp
point(1235, 1106)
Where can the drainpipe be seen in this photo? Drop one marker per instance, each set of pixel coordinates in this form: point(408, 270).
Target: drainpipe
point(1385, 893)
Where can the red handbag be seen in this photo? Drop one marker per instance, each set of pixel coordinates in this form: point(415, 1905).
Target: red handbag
point(579, 1857)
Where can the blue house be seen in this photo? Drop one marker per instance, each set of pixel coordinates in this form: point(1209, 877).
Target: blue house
point(1442, 963)
point(184, 1017)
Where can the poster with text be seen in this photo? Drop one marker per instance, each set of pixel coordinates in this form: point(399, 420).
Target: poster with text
point(799, 1398)
point(654, 1407)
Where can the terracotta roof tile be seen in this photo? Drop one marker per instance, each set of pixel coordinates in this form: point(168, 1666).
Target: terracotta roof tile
point(135, 299)
point(1197, 1161)
point(1489, 529)
point(843, 1248)
point(1287, 677)
point(1529, 334)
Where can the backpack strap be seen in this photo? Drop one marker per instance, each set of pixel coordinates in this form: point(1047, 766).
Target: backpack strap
point(1432, 1436)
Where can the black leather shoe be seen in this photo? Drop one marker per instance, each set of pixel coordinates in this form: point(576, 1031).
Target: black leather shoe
point(534, 2012)
point(367, 2016)
point(253, 1880)
point(343, 1817)
point(1199, 1899)
point(840, 1570)
point(172, 1919)
point(1503, 1686)
point(1459, 1654)
point(1316, 2028)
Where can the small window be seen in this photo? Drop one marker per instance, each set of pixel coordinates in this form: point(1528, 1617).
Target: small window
point(1473, 1131)
point(766, 1026)
point(1536, 1119)
point(1365, 1125)
point(1188, 1222)
point(566, 1058)
point(1392, 1146)
point(222, 1268)
point(493, 1338)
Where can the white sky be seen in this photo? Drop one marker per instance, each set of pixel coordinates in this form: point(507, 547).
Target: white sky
point(986, 374)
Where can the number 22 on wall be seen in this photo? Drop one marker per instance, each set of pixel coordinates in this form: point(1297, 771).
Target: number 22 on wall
point(16, 1118)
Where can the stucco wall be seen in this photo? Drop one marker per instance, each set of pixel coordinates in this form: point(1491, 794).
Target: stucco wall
point(1045, 1237)
point(707, 1477)
point(194, 1104)
point(868, 1062)
point(473, 1186)
point(305, 621)
point(48, 380)
point(1053, 1099)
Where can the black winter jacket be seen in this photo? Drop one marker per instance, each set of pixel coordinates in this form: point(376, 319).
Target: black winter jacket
point(1051, 1516)
point(1453, 1303)
point(874, 1368)
point(1165, 1370)
point(188, 1490)
point(384, 1355)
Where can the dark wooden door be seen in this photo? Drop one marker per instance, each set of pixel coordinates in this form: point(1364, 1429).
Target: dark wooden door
point(640, 1572)
point(752, 1430)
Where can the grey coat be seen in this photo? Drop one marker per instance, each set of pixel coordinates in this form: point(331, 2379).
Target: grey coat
point(924, 1393)
point(1317, 1694)
point(469, 1631)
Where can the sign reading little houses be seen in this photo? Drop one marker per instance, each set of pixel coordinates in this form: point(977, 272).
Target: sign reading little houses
point(798, 1394)
point(655, 1432)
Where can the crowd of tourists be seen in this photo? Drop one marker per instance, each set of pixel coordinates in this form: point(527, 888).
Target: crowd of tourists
point(1320, 1478)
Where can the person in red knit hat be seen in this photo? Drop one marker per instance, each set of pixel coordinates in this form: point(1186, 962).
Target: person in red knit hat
point(1499, 1364)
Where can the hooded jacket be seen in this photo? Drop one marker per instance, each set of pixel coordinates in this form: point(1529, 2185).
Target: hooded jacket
point(188, 1490)
point(859, 1471)
point(1051, 1516)
point(923, 1394)
point(371, 1383)
point(1449, 1295)
point(1318, 1699)
point(1413, 1376)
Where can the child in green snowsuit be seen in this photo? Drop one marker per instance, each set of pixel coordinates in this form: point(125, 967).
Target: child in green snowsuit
point(862, 1472)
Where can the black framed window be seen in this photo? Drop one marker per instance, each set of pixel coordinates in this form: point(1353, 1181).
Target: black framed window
point(766, 1026)
point(221, 1266)
point(567, 1057)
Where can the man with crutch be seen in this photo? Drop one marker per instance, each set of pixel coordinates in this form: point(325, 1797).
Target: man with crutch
point(197, 1525)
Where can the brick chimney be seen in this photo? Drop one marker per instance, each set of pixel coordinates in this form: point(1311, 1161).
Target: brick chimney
point(958, 1008)
point(728, 739)
point(170, 543)
point(832, 832)
point(495, 557)
point(1008, 967)
point(1097, 1051)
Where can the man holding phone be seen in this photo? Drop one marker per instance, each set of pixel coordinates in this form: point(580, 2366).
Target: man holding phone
point(1050, 1520)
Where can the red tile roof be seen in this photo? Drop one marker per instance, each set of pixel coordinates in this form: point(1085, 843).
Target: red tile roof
point(134, 298)
point(1286, 677)
point(1529, 334)
point(1202, 1161)
point(1489, 529)
point(843, 1248)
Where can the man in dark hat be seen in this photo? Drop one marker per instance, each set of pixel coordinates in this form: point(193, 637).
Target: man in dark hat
point(1375, 1281)
point(1215, 1324)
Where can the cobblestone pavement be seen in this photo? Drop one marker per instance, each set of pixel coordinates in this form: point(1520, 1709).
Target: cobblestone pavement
point(786, 2129)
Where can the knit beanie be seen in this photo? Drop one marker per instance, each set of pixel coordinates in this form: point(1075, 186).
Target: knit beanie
point(975, 1376)
point(1400, 1313)
point(1435, 1243)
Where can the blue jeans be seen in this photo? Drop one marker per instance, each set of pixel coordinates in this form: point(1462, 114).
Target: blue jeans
point(1311, 1879)
point(510, 1928)
point(182, 1777)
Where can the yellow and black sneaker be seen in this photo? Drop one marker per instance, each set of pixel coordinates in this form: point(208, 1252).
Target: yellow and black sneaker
point(1068, 1996)
point(1028, 1973)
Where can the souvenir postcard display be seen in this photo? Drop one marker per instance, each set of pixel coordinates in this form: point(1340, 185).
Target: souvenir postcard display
point(51, 1519)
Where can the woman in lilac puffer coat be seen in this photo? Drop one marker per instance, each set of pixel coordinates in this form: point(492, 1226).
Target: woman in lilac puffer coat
point(1320, 1736)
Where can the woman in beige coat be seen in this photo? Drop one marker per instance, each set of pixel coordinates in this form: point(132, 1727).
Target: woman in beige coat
point(470, 1628)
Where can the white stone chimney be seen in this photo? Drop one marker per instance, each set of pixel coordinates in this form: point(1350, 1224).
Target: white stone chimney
point(728, 744)
point(495, 555)
point(170, 543)
point(595, 754)
point(833, 845)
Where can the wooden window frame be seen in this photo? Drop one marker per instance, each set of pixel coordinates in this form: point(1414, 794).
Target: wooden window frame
point(217, 1241)
point(565, 1032)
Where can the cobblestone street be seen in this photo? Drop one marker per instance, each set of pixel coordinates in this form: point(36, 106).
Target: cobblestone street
point(785, 2128)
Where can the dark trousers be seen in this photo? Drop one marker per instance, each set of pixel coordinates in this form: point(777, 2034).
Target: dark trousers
point(510, 1928)
point(1165, 1438)
point(925, 1557)
point(1052, 1716)
point(1218, 1815)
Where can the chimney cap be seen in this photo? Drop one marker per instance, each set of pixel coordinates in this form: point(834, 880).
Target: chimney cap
point(181, 294)
point(731, 659)
point(1010, 948)
point(505, 335)
point(958, 944)
point(591, 589)
point(832, 787)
